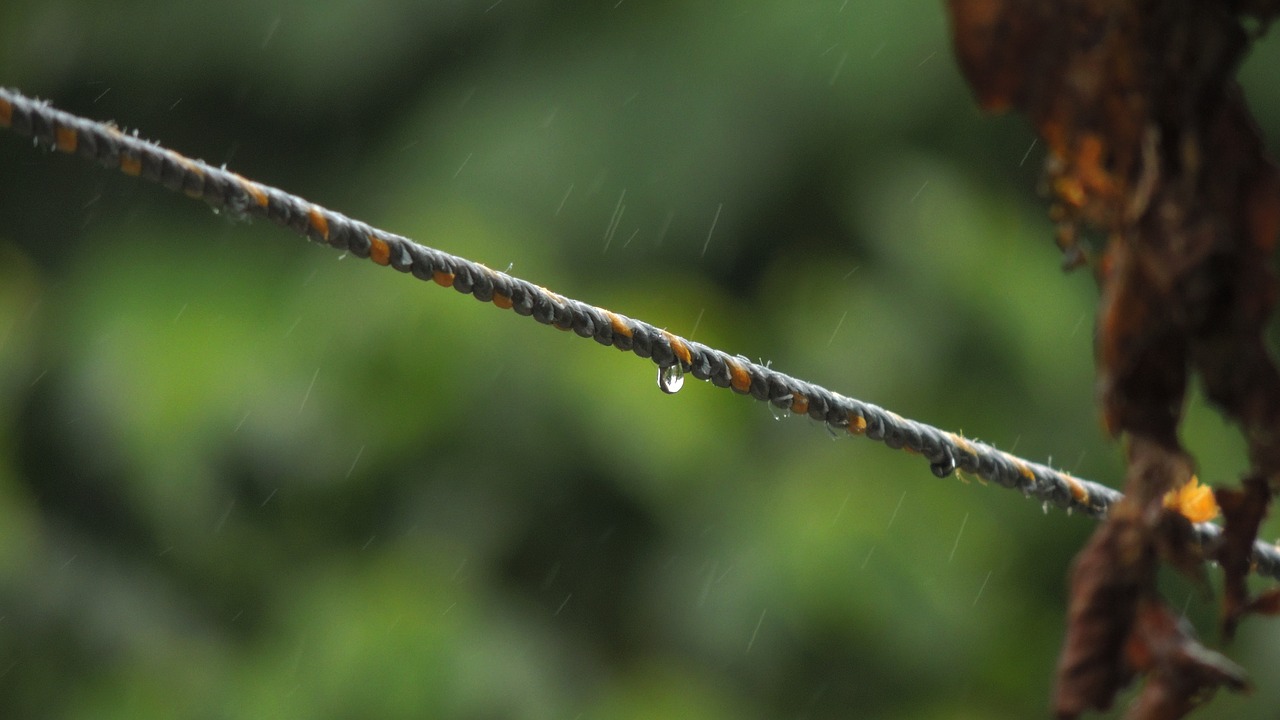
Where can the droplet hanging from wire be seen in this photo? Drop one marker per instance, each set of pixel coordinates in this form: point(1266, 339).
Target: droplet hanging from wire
point(671, 379)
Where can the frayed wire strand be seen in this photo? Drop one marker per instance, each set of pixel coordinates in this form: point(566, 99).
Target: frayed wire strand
point(223, 190)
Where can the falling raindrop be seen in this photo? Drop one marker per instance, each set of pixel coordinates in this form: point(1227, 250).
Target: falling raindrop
point(1045, 507)
point(671, 379)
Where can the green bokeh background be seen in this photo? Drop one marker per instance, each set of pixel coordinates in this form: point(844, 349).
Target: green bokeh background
point(241, 476)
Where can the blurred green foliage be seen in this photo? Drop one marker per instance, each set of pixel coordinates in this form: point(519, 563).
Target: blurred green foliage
point(243, 477)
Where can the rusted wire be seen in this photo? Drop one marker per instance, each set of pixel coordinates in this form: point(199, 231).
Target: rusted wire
point(224, 190)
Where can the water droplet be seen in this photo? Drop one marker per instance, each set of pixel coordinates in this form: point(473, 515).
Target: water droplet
point(670, 379)
point(1045, 507)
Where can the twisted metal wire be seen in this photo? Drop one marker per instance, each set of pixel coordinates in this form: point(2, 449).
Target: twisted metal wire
point(946, 452)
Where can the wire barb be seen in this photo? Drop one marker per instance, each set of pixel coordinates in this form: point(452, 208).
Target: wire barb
point(946, 452)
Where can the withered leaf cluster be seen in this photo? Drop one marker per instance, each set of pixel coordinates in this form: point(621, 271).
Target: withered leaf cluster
point(1152, 148)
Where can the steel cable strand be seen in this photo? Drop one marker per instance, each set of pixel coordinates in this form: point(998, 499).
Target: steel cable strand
point(224, 190)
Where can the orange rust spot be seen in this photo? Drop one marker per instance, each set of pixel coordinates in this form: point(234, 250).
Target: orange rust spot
point(1024, 470)
point(6, 113)
point(682, 351)
point(65, 138)
point(1091, 160)
point(1077, 491)
point(131, 165)
point(380, 252)
point(619, 326)
point(502, 301)
point(443, 279)
point(1193, 500)
point(255, 191)
point(1070, 190)
point(800, 405)
point(1085, 175)
point(857, 424)
point(739, 378)
point(964, 445)
point(318, 222)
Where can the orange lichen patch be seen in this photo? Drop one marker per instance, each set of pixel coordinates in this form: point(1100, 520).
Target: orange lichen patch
point(1090, 159)
point(502, 301)
point(800, 405)
point(255, 191)
point(6, 113)
point(380, 252)
point(1193, 500)
point(1070, 190)
point(857, 424)
point(1023, 469)
point(619, 325)
point(318, 222)
point(1078, 491)
point(963, 444)
point(65, 139)
point(739, 378)
point(130, 165)
point(1083, 175)
point(443, 279)
point(682, 351)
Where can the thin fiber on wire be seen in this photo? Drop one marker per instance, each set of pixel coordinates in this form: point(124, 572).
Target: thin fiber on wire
point(946, 452)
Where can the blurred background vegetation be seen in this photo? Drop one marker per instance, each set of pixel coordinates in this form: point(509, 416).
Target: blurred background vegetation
point(241, 476)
